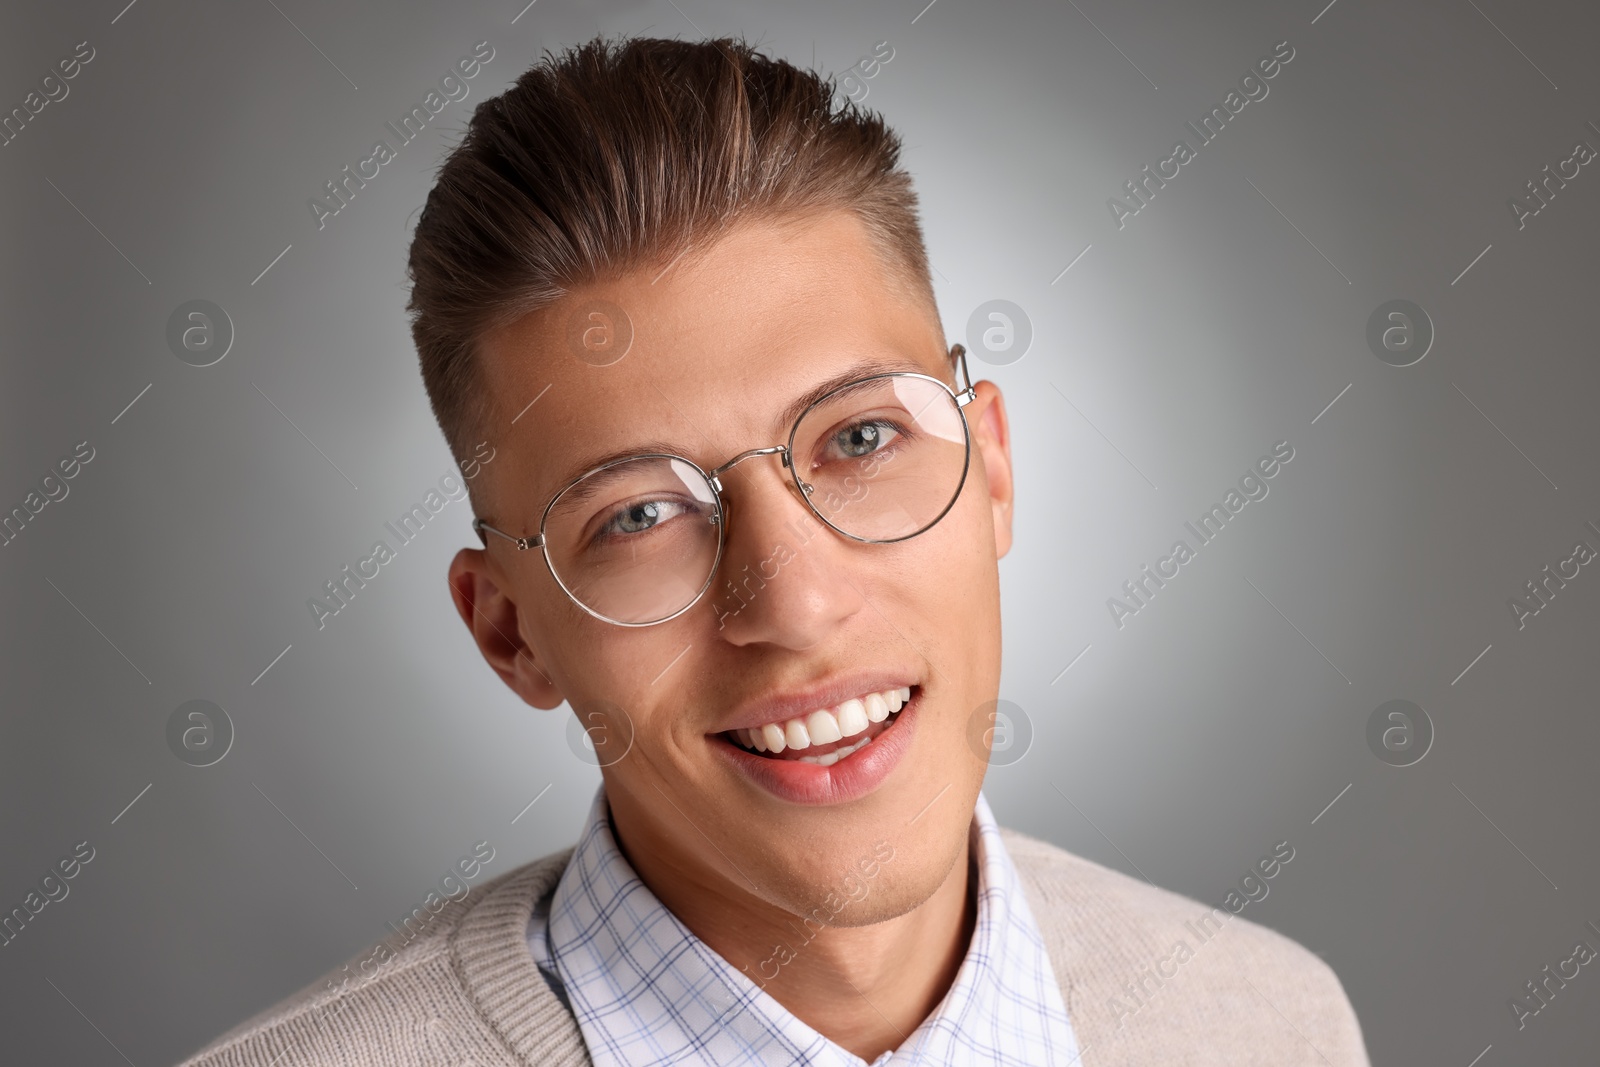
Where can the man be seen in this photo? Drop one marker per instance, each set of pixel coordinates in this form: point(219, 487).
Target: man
point(749, 532)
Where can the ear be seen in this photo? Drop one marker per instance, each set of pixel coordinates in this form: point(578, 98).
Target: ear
point(992, 434)
point(492, 617)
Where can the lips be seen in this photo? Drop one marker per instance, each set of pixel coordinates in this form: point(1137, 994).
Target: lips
point(830, 772)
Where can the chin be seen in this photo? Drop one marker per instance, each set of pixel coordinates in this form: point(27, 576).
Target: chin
point(881, 877)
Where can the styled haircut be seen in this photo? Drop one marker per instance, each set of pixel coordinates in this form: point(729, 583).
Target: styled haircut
point(618, 156)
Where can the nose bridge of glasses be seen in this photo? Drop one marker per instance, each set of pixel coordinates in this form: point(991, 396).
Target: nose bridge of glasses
point(715, 474)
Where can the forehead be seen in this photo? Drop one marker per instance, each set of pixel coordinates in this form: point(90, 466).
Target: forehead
point(722, 342)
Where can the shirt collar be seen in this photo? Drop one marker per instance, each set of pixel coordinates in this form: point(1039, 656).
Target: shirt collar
point(647, 991)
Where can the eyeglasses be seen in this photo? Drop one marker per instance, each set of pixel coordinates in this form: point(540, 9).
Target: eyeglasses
point(637, 541)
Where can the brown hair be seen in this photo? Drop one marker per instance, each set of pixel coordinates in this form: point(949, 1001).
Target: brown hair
point(619, 156)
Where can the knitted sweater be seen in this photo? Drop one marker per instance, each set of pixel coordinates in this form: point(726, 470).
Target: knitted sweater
point(1148, 977)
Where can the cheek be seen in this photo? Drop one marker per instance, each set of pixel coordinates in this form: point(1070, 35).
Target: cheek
point(955, 561)
point(976, 503)
point(961, 554)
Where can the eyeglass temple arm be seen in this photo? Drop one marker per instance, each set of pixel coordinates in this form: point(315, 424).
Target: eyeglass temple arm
point(967, 394)
point(522, 543)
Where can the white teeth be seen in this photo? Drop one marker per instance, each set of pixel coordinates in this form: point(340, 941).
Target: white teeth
point(823, 728)
point(852, 718)
point(794, 732)
point(828, 759)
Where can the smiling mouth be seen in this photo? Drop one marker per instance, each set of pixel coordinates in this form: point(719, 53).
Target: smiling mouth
point(828, 735)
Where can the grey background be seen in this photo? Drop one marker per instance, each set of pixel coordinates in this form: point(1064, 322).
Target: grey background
point(1223, 718)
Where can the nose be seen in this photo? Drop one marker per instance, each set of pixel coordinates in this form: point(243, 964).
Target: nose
point(784, 577)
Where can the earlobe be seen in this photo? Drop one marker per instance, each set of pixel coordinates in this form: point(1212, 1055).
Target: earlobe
point(491, 616)
point(992, 438)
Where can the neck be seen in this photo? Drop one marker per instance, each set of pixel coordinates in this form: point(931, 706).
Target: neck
point(865, 988)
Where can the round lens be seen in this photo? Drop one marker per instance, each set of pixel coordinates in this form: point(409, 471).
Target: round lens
point(882, 459)
point(635, 542)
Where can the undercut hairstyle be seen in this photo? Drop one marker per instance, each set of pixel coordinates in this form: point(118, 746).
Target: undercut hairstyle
point(620, 156)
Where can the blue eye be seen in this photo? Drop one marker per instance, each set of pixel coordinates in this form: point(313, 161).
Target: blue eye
point(639, 517)
point(864, 438)
point(636, 518)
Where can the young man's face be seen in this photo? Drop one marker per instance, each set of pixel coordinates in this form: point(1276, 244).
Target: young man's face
point(722, 344)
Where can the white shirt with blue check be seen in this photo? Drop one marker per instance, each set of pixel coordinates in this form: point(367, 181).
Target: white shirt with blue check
point(647, 991)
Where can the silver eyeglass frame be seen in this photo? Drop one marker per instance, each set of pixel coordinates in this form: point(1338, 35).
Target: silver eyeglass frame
point(961, 398)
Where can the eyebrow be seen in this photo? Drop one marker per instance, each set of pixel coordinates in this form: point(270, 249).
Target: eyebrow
point(863, 368)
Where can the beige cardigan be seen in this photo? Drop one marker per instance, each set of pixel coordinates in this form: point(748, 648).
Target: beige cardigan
point(1145, 981)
